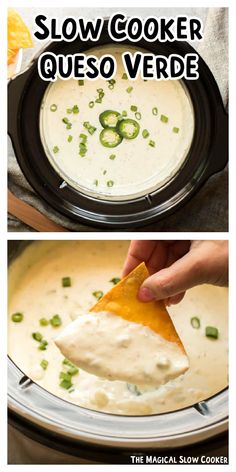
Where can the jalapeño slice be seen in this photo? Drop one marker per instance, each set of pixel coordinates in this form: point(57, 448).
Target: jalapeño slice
point(128, 128)
point(109, 118)
point(110, 138)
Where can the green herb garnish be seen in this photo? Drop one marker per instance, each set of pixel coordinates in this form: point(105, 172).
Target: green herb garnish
point(56, 321)
point(154, 111)
point(133, 108)
point(91, 129)
point(115, 280)
point(96, 182)
point(145, 133)
point(43, 322)
point(98, 294)
point(80, 82)
point(56, 149)
point(152, 143)
point(129, 89)
point(53, 107)
point(69, 139)
point(37, 336)
point(75, 109)
point(66, 282)
point(17, 317)
point(125, 76)
point(44, 364)
point(175, 130)
point(91, 104)
point(195, 322)
point(112, 157)
point(43, 345)
point(212, 332)
point(138, 115)
point(164, 119)
point(110, 183)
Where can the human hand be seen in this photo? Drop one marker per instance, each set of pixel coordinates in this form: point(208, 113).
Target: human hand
point(176, 266)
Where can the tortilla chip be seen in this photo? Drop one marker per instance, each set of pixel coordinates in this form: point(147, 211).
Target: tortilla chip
point(18, 33)
point(122, 300)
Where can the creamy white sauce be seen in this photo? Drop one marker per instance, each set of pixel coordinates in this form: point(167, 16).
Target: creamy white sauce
point(109, 346)
point(35, 289)
point(137, 167)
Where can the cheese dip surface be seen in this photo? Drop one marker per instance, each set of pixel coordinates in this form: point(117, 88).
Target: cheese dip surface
point(116, 138)
point(52, 283)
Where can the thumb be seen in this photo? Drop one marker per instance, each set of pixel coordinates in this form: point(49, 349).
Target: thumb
point(174, 280)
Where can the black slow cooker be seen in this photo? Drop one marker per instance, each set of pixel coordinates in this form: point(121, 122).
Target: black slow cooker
point(47, 429)
point(207, 155)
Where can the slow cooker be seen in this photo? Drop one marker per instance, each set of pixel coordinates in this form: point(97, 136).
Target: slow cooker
point(44, 428)
point(207, 154)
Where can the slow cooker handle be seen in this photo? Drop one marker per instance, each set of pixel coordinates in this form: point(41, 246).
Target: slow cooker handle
point(219, 149)
point(16, 87)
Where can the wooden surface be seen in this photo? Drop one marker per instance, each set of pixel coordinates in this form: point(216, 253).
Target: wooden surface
point(30, 216)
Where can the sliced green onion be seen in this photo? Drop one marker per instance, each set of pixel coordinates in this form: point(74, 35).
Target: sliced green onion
point(73, 370)
point(43, 322)
point(43, 345)
point(152, 143)
point(145, 133)
point(115, 280)
point(100, 90)
point(98, 100)
point(83, 137)
point(55, 321)
point(56, 149)
point(17, 317)
point(65, 120)
point(104, 172)
point(66, 282)
point(69, 126)
point(69, 111)
point(195, 322)
point(44, 364)
point(164, 119)
point(133, 108)
point(96, 182)
point(110, 183)
point(80, 82)
point(175, 130)
point(75, 109)
point(112, 157)
point(66, 382)
point(155, 111)
point(98, 294)
point(112, 81)
point(91, 104)
point(124, 113)
point(129, 89)
point(91, 129)
point(138, 115)
point(125, 76)
point(67, 362)
point(69, 139)
point(53, 107)
point(110, 86)
point(37, 336)
point(212, 332)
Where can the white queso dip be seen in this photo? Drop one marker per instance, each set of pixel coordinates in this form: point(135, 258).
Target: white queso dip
point(119, 138)
point(51, 283)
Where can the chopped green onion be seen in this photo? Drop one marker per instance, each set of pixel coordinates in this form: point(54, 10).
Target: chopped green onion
point(17, 317)
point(112, 81)
point(164, 119)
point(212, 332)
point(69, 139)
point(69, 126)
point(91, 104)
point(75, 109)
point(73, 370)
point(55, 321)
point(145, 133)
point(37, 336)
point(98, 100)
point(133, 108)
point(56, 149)
point(69, 111)
point(66, 282)
point(53, 107)
point(91, 129)
point(65, 120)
point(66, 383)
point(175, 130)
point(115, 280)
point(44, 364)
point(110, 86)
point(43, 322)
point(83, 137)
point(195, 322)
point(112, 157)
point(110, 183)
point(129, 89)
point(152, 143)
point(124, 113)
point(100, 90)
point(80, 82)
point(98, 294)
point(104, 172)
point(155, 111)
point(96, 182)
point(67, 362)
point(43, 345)
point(125, 76)
point(138, 115)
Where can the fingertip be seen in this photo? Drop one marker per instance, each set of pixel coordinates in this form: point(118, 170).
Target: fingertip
point(145, 295)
